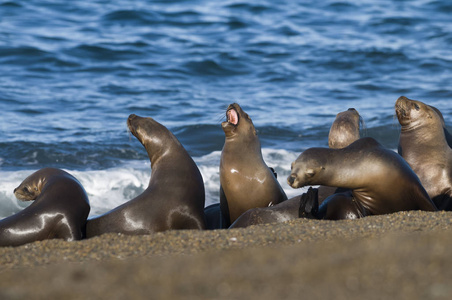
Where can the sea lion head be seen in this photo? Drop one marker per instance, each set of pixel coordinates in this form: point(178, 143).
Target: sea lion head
point(413, 113)
point(32, 186)
point(237, 122)
point(152, 135)
point(345, 129)
point(307, 168)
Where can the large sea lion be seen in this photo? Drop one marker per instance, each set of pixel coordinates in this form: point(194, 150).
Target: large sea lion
point(344, 131)
point(175, 196)
point(59, 210)
point(246, 181)
point(423, 144)
point(380, 181)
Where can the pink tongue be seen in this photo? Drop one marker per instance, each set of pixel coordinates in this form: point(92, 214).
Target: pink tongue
point(232, 117)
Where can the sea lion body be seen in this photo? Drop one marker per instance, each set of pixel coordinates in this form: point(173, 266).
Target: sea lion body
point(341, 206)
point(174, 198)
point(59, 210)
point(423, 144)
point(379, 179)
point(282, 212)
point(246, 181)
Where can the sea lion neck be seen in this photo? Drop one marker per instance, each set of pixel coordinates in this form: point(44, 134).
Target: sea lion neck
point(158, 141)
point(161, 150)
point(425, 130)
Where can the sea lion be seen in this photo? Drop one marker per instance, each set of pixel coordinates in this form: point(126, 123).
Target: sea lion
point(338, 206)
point(174, 198)
point(245, 180)
point(281, 212)
point(380, 181)
point(344, 131)
point(423, 144)
point(214, 218)
point(59, 210)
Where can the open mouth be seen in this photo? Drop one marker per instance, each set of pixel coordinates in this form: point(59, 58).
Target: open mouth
point(232, 116)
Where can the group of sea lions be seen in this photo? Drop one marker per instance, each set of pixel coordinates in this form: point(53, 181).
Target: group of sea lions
point(357, 177)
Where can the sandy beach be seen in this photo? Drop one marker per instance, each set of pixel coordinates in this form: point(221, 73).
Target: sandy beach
point(400, 256)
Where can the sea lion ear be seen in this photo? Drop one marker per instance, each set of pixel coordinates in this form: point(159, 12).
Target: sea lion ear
point(310, 173)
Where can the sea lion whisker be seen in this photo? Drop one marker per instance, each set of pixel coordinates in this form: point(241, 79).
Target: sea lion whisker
point(362, 126)
point(220, 118)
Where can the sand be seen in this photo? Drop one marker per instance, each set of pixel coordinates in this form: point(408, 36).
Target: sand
point(399, 256)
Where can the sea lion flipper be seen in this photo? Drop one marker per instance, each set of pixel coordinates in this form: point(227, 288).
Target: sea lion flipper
point(309, 204)
point(224, 210)
point(443, 202)
point(274, 172)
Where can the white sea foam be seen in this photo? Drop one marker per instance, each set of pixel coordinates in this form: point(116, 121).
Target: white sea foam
point(112, 187)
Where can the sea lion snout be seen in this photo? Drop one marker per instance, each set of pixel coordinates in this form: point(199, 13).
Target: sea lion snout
point(130, 119)
point(292, 180)
point(401, 107)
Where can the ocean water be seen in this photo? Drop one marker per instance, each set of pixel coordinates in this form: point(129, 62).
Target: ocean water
point(71, 73)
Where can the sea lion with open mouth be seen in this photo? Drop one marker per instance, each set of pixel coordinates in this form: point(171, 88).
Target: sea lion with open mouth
point(174, 198)
point(423, 143)
point(246, 181)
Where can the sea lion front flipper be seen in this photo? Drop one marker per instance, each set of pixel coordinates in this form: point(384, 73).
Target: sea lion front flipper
point(224, 210)
point(309, 204)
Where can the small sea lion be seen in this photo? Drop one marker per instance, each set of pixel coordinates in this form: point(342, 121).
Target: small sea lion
point(343, 132)
point(345, 129)
point(246, 181)
point(282, 212)
point(423, 144)
point(59, 210)
point(175, 196)
point(380, 181)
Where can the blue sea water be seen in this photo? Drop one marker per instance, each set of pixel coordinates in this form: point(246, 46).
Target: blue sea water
point(72, 72)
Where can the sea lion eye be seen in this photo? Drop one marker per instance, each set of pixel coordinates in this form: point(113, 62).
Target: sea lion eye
point(25, 189)
point(416, 106)
point(310, 173)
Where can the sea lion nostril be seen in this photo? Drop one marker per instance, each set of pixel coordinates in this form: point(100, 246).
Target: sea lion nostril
point(131, 117)
point(291, 178)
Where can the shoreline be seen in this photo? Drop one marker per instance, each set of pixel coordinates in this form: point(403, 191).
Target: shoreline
point(405, 255)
